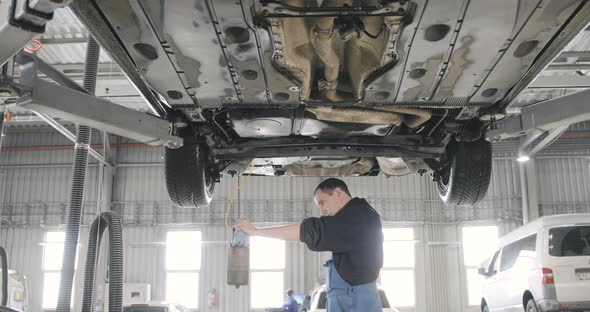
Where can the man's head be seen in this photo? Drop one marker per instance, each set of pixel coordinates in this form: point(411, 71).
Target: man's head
point(331, 195)
point(290, 293)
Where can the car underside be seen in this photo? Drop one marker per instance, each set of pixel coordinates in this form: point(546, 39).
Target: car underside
point(329, 88)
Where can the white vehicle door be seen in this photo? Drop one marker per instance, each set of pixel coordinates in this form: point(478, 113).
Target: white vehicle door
point(569, 258)
point(492, 286)
point(517, 262)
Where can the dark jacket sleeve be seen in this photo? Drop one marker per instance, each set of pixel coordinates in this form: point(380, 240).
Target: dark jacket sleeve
point(327, 234)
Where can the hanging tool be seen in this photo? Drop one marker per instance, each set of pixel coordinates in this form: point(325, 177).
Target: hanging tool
point(238, 261)
point(238, 257)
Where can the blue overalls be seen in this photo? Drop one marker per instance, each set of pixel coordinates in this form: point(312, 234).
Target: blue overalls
point(345, 298)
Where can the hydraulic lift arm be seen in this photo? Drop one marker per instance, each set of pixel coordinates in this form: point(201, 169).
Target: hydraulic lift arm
point(68, 101)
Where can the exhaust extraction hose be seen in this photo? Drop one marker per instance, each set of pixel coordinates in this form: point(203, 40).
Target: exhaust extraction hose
point(77, 187)
point(112, 221)
point(4, 260)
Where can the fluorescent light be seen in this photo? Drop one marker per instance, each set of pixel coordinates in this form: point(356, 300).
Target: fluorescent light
point(523, 158)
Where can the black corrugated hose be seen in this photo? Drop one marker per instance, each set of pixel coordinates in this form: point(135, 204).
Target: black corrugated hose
point(4, 260)
point(77, 186)
point(112, 221)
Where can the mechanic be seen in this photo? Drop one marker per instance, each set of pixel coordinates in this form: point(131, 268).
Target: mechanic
point(291, 304)
point(351, 229)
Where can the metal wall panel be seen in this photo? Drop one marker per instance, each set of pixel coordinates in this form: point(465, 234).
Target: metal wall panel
point(564, 185)
point(145, 258)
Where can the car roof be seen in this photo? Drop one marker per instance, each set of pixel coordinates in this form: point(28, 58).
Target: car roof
point(544, 222)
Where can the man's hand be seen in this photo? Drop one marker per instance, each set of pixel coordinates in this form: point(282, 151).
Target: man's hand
point(246, 226)
point(284, 232)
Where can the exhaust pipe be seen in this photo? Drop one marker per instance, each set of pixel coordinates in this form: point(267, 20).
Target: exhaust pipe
point(322, 42)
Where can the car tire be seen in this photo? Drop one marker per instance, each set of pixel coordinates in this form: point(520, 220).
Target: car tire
point(485, 308)
point(465, 179)
point(531, 306)
point(189, 180)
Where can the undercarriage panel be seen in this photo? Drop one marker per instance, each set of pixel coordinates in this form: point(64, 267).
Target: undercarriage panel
point(274, 123)
point(210, 54)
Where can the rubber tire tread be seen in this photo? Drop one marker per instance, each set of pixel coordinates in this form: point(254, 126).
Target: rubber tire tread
point(530, 304)
point(186, 171)
point(470, 172)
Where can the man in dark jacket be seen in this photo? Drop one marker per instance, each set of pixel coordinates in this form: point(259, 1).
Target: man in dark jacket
point(290, 304)
point(351, 229)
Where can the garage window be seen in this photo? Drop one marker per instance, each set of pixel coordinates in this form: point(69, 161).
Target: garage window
point(267, 271)
point(479, 244)
point(183, 264)
point(53, 250)
point(397, 275)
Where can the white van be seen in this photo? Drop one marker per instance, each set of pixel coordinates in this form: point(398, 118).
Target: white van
point(541, 266)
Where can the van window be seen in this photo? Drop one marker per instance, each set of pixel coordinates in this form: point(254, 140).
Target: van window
point(569, 241)
point(519, 251)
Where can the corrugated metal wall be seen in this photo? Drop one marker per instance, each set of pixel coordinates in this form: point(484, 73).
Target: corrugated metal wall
point(33, 195)
point(564, 185)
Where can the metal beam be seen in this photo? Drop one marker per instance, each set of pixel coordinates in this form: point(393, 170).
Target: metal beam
point(31, 64)
point(107, 70)
point(569, 67)
point(72, 137)
point(528, 140)
point(561, 82)
point(544, 116)
point(65, 103)
point(552, 135)
point(54, 40)
point(575, 54)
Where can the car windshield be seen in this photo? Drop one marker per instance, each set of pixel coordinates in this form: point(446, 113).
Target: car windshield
point(569, 241)
point(322, 301)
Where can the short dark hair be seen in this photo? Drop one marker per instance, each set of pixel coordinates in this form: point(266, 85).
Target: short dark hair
point(290, 292)
point(329, 185)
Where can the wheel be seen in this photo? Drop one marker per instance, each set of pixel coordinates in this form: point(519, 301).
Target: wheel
point(531, 306)
point(485, 308)
point(465, 179)
point(189, 180)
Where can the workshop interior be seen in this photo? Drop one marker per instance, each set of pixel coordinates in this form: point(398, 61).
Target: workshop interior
point(228, 155)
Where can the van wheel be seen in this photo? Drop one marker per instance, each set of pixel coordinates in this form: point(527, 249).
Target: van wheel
point(531, 306)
